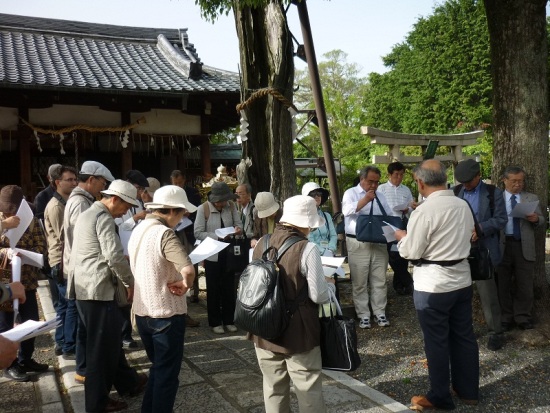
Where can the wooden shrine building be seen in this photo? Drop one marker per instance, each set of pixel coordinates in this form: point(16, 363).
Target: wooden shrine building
point(129, 97)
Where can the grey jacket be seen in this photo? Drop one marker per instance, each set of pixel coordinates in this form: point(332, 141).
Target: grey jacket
point(205, 228)
point(78, 202)
point(527, 229)
point(97, 257)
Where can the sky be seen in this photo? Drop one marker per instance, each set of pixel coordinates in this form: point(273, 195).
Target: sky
point(364, 29)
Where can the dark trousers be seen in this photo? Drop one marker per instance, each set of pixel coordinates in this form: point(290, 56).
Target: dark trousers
point(163, 342)
point(221, 295)
point(450, 344)
point(81, 337)
point(28, 311)
point(402, 278)
point(65, 334)
point(515, 284)
point(106, 363)
point(52, 284)
point(126, 313)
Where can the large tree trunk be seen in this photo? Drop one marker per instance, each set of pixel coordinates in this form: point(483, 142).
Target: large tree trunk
point(266, 59)
point(519, 53)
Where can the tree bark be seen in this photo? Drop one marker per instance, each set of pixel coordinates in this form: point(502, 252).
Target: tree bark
point(266, 57)
point(519, 53)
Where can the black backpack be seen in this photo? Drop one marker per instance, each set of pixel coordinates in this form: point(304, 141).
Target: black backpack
point(261, 307)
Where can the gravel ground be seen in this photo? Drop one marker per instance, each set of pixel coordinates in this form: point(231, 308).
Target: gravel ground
point(513, 379)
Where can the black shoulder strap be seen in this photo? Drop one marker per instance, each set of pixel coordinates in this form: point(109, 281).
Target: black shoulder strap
point(379, 205)
point(289, 242)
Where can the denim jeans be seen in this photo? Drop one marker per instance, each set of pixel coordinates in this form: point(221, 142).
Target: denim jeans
point(163, 342)
point(65, 334)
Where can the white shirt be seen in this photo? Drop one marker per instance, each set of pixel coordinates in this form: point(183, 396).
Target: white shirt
point(349, 207)
point(396, 195)
point(439, 230)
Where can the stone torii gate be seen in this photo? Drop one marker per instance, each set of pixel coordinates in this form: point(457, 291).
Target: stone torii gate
point(396, 140)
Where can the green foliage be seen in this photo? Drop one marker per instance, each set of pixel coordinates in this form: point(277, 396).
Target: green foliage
point(439, 79)
point(344, 94)
point(211, 9)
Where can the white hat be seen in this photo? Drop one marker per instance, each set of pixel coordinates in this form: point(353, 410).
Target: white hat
point(301, 211)
point(96, 169)
point(170, 196)
point(124, 190)
point(265, 204)
point(154, 184)
point(309, 187)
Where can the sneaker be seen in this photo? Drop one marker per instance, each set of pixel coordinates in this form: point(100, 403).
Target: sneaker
point(382, 320)
point(218, 330)
point(58, 350)
point(70, 355)
point(31, 366)
point(129, 344)
point(364, 323)
point(16, 373)
point(231, 328)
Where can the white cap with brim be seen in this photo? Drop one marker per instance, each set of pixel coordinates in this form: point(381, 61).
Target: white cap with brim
point(96, 169)
point(301, 211)
point(170, 196)
point(124, 190)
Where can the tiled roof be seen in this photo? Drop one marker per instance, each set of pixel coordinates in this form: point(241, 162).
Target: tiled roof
point(37, 52)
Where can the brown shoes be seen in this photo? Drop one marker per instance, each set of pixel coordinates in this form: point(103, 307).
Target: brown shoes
point(79, 379)
point(189, 322)
point(115, 405)
point(421, 403)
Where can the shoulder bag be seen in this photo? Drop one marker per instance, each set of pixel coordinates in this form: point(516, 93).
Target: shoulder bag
point(481, 265)
point(369, 227)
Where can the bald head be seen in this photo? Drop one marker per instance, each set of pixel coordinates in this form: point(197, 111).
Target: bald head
point(432, 174)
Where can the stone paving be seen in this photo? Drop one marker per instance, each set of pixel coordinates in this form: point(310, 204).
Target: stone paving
point(219, 374)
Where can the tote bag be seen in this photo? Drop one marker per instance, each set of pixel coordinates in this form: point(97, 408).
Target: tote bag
point(369, 227)
point(338, 340)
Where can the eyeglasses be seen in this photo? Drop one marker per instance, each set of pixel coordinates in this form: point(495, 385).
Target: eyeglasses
point(313, 194)
point(102, 180)
point(369, 182)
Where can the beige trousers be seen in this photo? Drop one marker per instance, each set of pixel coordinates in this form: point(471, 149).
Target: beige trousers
point(368, 263)
point(304, 369)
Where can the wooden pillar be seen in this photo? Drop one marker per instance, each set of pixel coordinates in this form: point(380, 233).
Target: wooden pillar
point(126, 153)
point(205, 156)
point(24, 148)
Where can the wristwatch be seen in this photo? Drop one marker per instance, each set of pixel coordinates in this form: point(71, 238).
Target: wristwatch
point(9, 291)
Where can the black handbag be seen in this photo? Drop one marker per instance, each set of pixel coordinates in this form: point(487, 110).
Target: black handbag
point(481, 265)
point(237, 251)
point(369, 227)
point(338, 340)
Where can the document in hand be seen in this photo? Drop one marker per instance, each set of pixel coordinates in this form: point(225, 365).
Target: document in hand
point(25, 217)
point(30, 329)
point(332, 265)
point(206, 249)
point(524, 208)
point(224, 232)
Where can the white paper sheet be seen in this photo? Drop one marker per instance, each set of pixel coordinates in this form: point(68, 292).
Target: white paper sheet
point(224, 232)
point(331, 265)
point(523, 208)
point(29, 329)
point(30, 258)
point(206, 249)
point(25, 217)
point(184, 223)
point(401, 207)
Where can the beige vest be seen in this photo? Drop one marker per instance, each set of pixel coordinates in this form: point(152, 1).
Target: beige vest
point(152, 272)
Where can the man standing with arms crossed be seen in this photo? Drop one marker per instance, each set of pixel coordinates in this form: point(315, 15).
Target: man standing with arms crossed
point(65, 343)
point(437, 241)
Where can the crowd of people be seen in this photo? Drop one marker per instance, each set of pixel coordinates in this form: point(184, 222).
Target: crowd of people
point(115, 252)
